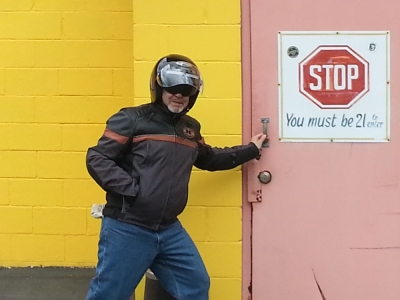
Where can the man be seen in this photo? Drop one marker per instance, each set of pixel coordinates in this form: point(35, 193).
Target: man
point(143, 161)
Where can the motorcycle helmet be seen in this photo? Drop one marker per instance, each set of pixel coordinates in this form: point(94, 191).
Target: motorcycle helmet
point(174, 73)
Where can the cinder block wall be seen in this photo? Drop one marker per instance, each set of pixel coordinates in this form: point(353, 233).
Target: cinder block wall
point(208, 32)
point(65, 67)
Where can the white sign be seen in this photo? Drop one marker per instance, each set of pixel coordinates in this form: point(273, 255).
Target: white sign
point(334, 86)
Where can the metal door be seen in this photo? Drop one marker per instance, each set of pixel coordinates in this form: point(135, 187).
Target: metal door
point(328, 224)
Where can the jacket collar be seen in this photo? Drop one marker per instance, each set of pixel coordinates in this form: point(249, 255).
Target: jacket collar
point(162, 110)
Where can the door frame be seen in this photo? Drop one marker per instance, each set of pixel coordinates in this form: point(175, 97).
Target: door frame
point(247, 207)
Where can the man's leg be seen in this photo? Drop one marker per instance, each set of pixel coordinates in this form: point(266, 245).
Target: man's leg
point(178, 265)
point(125, 253)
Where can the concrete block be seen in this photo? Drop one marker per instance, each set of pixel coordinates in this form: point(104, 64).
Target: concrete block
point(16, 219)
point(59, 221)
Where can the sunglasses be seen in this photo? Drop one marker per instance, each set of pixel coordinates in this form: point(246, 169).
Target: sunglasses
point(183, 89)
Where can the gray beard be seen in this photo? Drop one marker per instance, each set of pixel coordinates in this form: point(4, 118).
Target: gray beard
point(175, 110)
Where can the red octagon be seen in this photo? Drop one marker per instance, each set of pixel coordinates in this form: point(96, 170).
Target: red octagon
point(334, 77)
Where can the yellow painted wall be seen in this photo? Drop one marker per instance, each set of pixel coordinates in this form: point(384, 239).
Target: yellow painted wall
point(65, 67)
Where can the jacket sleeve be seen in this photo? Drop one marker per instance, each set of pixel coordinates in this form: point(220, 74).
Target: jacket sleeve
point(101, 160)
point(215, 159)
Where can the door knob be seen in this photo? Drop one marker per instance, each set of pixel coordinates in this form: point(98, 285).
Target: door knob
point(265, 177)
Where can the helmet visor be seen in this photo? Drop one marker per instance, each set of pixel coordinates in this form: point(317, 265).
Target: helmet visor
point(175, 73)
point(183, 89)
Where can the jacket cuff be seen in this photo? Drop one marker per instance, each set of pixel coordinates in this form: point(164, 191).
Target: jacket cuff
point(256, 151)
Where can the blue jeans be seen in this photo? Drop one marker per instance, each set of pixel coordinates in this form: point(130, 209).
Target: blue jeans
point(126, 251)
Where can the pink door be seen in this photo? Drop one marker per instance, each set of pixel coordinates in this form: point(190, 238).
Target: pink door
point(328, 224)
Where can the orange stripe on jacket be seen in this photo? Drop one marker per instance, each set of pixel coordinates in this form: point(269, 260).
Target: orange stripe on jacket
point(115, 136)
point(165, 138)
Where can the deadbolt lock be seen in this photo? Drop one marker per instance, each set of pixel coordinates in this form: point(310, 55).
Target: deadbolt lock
point(265, 177)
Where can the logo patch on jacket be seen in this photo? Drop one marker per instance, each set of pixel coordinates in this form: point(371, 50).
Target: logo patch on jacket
point(188, 132)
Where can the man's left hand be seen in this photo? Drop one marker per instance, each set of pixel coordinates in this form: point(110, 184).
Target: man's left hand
point(259, 139)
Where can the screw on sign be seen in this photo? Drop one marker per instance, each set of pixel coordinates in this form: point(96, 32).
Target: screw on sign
point(334, 77)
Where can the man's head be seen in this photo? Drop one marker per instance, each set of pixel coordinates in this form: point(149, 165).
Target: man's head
point(175, 81)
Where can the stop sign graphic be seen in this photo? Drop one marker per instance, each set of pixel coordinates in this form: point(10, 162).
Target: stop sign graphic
point(334, 77)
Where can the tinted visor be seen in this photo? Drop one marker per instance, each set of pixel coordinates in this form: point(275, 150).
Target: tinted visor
point(174, 73)
point(183, 89)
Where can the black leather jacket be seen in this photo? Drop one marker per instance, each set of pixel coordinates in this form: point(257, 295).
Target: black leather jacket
point(144, 160)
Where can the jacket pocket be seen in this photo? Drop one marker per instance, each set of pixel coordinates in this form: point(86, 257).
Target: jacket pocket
point(143, 190)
